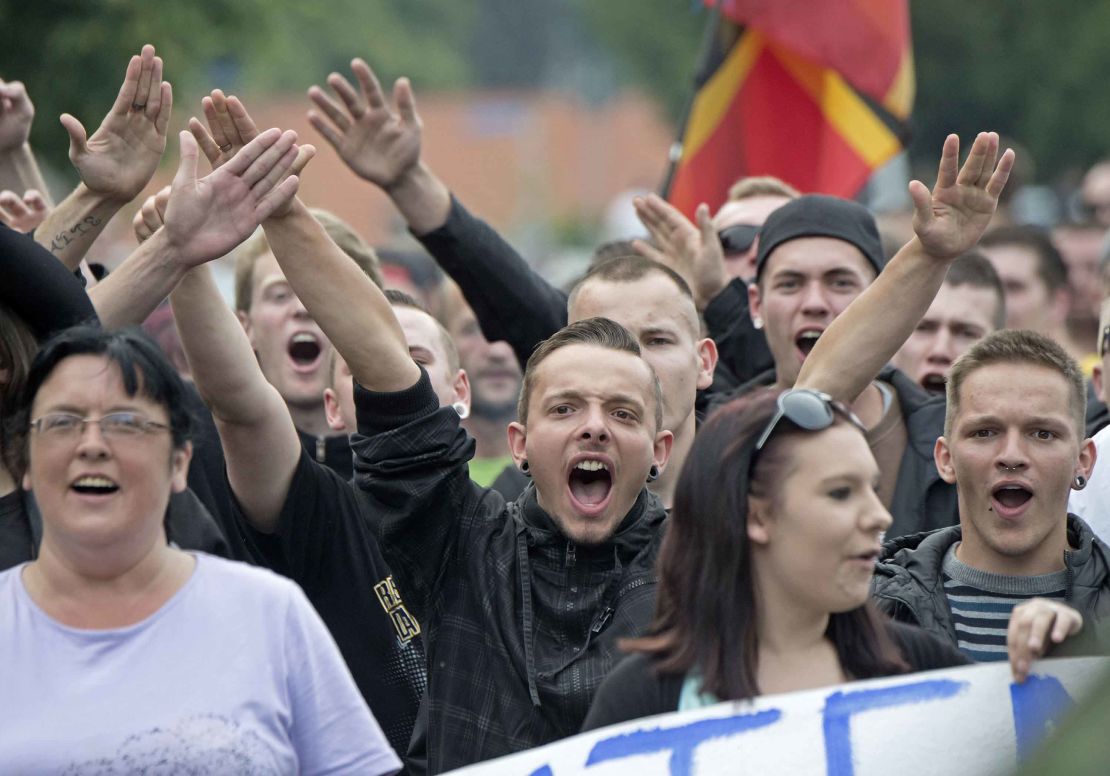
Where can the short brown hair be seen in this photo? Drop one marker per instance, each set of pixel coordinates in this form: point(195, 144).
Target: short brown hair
point(1017, 346)
point(761, 186)
point(974, 269)
point(1051, 268)
point(348, 240)
point(629, 269)
point(591, 331)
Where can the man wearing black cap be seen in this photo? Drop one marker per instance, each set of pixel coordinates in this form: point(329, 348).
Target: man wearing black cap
point(817, 254)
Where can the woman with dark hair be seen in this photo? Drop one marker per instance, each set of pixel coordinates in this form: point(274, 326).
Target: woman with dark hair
point(765, 570)
point(124, 652)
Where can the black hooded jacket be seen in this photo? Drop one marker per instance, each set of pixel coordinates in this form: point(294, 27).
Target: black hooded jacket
point(520, 624)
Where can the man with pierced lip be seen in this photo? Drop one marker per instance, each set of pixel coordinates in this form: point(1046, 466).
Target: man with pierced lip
point(816, 255)
point(1018, 571)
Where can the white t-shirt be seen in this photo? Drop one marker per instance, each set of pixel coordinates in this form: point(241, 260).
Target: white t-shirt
point(235, 674)
point(1093, 502)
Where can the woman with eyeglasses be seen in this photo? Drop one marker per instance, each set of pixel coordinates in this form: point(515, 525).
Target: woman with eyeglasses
point(765, 570)
point(122, 652)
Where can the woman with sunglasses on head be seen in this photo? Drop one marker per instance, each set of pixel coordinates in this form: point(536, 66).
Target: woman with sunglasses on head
point(122, 652)
point(765, 570)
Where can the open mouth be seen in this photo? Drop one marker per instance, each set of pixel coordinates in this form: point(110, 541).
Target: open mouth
point(91, 485)
point(305, 350)
point(933, 383)
point(806, 340)
point(590, 483)
point(1010, 500)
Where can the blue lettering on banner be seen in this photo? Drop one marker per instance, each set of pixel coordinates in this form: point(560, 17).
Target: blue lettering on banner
point(544, 770)
point(1038, 702)
point(840, 707)
point(681, 741)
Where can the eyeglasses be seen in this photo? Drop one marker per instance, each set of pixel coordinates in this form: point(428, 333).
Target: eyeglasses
point(737, 239)
point(116, 425)
point(807, 409)
point(1104, 341)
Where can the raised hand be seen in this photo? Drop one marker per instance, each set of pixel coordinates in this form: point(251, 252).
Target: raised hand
point(692, 251)
point(121, 156)
point(16, 115)
point(150, 217)
point(207, 217)
point(951, 219)
point(229, 129)
point(24, 213)
point(1035, 625)
point(378, 143)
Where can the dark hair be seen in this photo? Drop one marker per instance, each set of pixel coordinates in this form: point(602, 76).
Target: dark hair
point(1050, 265)
point(17, 350)
point(591, 331)
point(975, 270)
point(144, 369)
point(706, 608)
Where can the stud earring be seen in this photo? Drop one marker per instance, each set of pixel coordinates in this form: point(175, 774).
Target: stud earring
point(757, 323)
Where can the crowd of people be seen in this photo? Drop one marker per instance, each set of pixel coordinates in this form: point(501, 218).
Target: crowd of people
point(365, 522)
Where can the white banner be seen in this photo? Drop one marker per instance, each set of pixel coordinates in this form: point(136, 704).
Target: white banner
point(970, 720)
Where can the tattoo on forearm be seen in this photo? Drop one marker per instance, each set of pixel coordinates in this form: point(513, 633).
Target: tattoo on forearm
point(64, 238)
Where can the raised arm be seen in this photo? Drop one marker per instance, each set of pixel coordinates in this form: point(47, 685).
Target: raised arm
point(115, 164)
point(205, 219)
point(18, 169)
point(947, 221)
point(382, 145)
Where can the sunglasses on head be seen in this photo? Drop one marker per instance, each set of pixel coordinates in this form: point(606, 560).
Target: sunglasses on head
point(737, 239)
point(809, 410)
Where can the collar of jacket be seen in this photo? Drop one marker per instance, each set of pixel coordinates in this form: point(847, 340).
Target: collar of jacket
point(635, 531)
point(909, 568)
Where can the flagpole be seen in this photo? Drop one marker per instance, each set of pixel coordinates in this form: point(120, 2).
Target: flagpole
point(705, 68)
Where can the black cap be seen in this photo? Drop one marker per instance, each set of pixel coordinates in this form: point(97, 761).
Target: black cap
point(819, 215)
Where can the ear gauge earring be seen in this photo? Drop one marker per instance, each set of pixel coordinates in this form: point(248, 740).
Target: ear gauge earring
point(525, 469)
point(1080, 482)
point(653, 473)
point(462, 409)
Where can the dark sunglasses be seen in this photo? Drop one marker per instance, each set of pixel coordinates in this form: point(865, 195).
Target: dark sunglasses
point(738, 238)
point(1104, 341)
point(809, 410)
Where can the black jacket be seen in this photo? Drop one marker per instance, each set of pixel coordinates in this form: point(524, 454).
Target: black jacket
point(909, 583)
point(513, 303)
point(521, 625)
point(922, 500)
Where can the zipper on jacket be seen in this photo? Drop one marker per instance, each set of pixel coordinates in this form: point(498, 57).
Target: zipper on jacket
point(570, 555)
point(606, 613)
point(321, 450)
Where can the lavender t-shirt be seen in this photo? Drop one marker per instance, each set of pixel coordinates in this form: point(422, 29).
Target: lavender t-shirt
point(235, 674)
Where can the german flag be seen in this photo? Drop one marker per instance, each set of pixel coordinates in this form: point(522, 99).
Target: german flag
point(815, 92)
